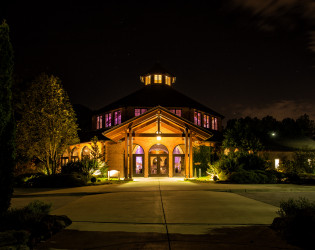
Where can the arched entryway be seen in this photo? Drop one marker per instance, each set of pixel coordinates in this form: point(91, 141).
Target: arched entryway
point(179, 160)
point(158, 160)
point(138, 161)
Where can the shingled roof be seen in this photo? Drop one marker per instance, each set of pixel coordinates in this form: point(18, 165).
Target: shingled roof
point(157, 95)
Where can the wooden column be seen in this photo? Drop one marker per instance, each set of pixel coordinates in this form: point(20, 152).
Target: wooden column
point(130, 155)
point(191, 155)
point(126, 156)
point(186, 154)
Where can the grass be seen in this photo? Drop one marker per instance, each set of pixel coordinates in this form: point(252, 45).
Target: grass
point(105, 181)
point(203, 179)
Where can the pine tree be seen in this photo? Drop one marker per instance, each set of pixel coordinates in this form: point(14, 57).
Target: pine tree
point(7, 124)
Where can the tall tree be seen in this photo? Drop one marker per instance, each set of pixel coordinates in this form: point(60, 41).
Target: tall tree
point(48, 122)
point(7, 124)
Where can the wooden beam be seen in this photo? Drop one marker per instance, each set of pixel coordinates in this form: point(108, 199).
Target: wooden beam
point(154, 135)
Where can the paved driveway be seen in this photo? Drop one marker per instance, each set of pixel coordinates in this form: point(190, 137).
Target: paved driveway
point(157, 211)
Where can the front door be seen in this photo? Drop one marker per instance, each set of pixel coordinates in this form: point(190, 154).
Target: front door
point(158, 165)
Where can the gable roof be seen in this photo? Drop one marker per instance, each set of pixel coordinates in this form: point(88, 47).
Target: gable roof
point(157, 95)
point(118, 132)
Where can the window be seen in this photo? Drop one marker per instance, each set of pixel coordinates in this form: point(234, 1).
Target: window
point(140, 111)
point(214, 123)
point(176, 111)
point(117, 117)
point(108, 120)
point(147, 80)
point(206, 121)
point(197, 118)
point(167, 80)
point(157, 78)
point(99, 122)
point(277, 161)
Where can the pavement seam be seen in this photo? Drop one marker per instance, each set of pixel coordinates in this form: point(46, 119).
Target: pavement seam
point(168, 237)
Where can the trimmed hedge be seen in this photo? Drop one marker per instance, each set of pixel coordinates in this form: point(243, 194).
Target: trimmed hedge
point(252, 177)
point(57, 180)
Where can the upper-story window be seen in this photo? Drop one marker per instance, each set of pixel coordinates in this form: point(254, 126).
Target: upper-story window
point(197, 118)
point(214, 121)
point(140, 111)
point(167, 80)
point(99, 122)
point(176, 111)
point(157, 78)
point(206, 121)
point(117, 117)
point(108, 120)
point(147, 80)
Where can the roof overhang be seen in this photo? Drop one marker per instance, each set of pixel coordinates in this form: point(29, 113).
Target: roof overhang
point(179, 126)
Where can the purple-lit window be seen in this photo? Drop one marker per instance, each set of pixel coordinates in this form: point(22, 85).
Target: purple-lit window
point(197, 118)
point(176, 111)
point(214, 123)
point(99, 122)
point(108, 120)
point(206, 121)
point(140, 111)
point(117, 117)
point(139, 150)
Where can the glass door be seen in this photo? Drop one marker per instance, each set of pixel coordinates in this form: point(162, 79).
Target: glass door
point(158, 165)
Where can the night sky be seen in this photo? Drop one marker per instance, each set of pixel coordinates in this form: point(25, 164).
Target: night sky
point(239, 57)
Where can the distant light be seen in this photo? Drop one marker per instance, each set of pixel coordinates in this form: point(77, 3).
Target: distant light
point(273, 134)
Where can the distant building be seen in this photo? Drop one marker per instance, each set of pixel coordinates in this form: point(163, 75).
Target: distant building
point(152, 131)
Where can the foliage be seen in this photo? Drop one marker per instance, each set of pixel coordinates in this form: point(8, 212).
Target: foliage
point(242, 138)
point(25, 217)
point(303, 162)
point(243, 167)
point(35, 221)
point(7, 123)
point(202, 156)
point(58, 180)
point(252, 177)
point(22, 179)
point(48, 123)
point(296, 222)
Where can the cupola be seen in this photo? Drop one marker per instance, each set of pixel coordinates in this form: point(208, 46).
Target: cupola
point(157, 76)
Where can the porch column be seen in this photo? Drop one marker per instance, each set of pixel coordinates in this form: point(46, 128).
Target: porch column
point(130, 155)
point(186, 154)
point(191, 155)
point(126, 156)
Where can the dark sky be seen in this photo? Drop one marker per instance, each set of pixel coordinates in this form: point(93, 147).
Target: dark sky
point(239, 57)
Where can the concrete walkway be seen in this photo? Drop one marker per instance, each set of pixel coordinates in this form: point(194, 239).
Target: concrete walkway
point(161, 213)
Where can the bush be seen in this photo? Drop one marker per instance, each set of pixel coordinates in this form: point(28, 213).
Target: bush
point(58, 180)
point(93, 179)
point(35, 219)
point(252, 177)
point(21, 180)
point(296, 222)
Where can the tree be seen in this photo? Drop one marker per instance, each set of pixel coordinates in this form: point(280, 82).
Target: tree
point(7, 123)
point(48, 122)
point(242, 137)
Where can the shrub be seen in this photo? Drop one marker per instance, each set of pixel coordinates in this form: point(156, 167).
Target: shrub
point(21, 180)
point(296, 222)
point(93, 179)
point(215, 178)
point(252, 177)
point(58, 180)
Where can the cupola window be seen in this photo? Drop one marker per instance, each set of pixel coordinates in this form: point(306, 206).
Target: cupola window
point(147, 80)
point(176, 111)
point(157, 78)
point(167, 80)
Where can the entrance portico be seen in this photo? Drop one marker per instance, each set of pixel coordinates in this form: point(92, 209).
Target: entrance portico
point(157, 143)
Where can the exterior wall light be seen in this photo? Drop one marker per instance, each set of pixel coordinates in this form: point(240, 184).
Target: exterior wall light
point(158, 135)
